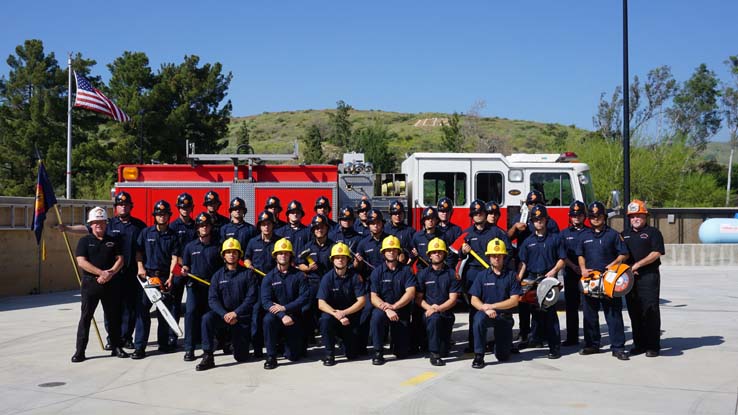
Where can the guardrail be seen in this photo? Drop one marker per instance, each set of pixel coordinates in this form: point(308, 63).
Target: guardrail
point(16, 213)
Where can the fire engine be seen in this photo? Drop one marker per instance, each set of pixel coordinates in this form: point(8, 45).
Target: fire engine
point(424, 178)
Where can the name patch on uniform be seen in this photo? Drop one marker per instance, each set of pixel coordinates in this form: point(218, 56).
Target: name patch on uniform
point(429, 282)
point(386, 280)
point(644, 236)
point(487, 284)
point(109, 244)
point(276, 283)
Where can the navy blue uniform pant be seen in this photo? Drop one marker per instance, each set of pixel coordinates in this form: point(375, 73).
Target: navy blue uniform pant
point(240, 335)
point(547, 327)
point(469, 276)
point(399, 332)
point(274, 329)
point(143, 323)
point(643, 309)
point(195, 309)
point(573, 299)
point(438, 327)
point(178, 288)
point(93, 293)
point(502, 325)
point(331, 329)
point(613, 309)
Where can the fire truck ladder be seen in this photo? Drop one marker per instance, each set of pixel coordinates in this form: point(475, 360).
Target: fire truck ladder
point(249, 158)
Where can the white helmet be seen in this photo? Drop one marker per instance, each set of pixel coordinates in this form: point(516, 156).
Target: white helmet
point(97, 213)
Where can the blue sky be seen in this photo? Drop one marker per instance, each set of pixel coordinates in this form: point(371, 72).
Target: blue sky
point(536, 60)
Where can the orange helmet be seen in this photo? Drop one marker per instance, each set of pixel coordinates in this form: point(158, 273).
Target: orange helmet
point(637, 206)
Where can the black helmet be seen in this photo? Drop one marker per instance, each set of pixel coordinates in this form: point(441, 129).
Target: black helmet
point(538, 211)
point(396, 207)
point(211, 198)
point(346, 213)
point(324, 203)
point(318, 220)
point(184, 201)
point(265, 216)
point(445, 204)
point(596, 209)
point(295, 206)
point(203, 219)
point(577, 208)
point(476, 207)
point(363, 206)
point(236, 204)
point(492, 207)
point(429, 212)
point(162, 208)
point(534, 198)
point(123, 198)
point(374, 215)
point(273, 202)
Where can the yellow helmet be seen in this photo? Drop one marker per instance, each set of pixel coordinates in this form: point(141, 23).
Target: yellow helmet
point(282, 245)
point(436, 244)
point(390, 242)
point(340, 249)
point(230, 244)
point(496, 247)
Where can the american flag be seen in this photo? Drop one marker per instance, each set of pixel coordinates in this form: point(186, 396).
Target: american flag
point(91, 98)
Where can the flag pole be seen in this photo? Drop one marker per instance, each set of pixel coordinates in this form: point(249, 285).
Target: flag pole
point(76, 271)
point(69, 132)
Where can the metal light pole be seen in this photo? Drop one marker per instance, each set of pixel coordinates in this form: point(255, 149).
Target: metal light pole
point(626, 115)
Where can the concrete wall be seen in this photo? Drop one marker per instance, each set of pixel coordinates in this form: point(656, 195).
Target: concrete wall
point(701, 254)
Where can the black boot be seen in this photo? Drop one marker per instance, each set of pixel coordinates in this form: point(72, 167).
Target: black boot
point(189, 356)
point(271, 362)
point(138, 354)
point(329, 360)
point(78, 357)
point(436, 360)
point(207, 362)
point(478, 362)
point(378, 359)
point(118, 351)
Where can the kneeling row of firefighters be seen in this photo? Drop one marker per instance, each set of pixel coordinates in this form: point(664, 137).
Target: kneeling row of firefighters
point(257, 287)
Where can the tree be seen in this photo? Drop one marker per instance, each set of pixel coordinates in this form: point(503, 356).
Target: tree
point(452, 140)
point(607, 121)
point(313, 153)
point(695, 113)
point(243, 137)
point(660, 88)
point(374, 141)
point(341, 125)
point(730, 110)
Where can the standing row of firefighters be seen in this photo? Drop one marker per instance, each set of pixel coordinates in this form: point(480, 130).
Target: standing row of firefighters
point(274, 284)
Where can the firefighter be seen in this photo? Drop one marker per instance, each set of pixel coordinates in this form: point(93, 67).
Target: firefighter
point(258, 251)
point(284, 296)
point(368, 254)
point(232, 295)
point(493, 212)
point(494, 293)
point(345, 231)
point(392, 295)
point(212, 203)
point(599, 248)
point(362, 211)
point(100, 257)
point(542, 255)
point(323, 207)
point(126, 228)
point(315, 262)
point(295, 231)
point(237, 228)
point(646, 245)
point(445, 211)
point(341, 298)
point(477, 238)
point(398, 228)
point(201, 258)
point(570, 238)
point(158, 254)
point(184, 227)
point(274, 205)
point(438, 291)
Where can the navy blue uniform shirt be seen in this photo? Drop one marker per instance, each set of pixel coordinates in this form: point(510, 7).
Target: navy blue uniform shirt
point(349, 236)
point(420, 243)
point(540, 253)
point(551, 227)
point(127, 233)
point(451, 230)
point(259, 252)
point(361, 229)
point(203, 259)
point(570, 237)
point(298, 236)
point(478, 240)
point(158, 248)
point(233, 291)
point(491, 288)
point(320, 254)
point(243, 232)
point(600, 248)
point(341, 292)
point(369, 249)
point(218, 222)
point(404, 233)
point(641, 243)
point(437, 285)
point(186, 232)
point(390, 285)
point(289, 289)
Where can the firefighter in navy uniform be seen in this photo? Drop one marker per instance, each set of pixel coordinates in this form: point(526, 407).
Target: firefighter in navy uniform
point(237, 228)
point(100, 258)
point(494, 293)
point(392, 295)
point(158, 254)
point(438, 291)
point(232, 296)
point(284, 295)
point(362, 211)
point(542, 255)
point(202, 259)
point(599, 248)
point(295, 231)
point(184, 227)
point(274, 205)
point(341, 298)
point(445, 211)
point(212, 203)
point(646, 246)
point(323, 207)
point(570, 238)
point(398, 228)
point(345, 231)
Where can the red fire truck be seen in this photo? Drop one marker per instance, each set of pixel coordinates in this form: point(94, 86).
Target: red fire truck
point(424, 178)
